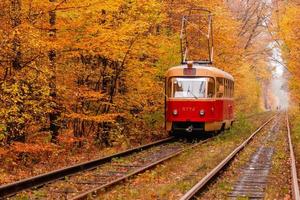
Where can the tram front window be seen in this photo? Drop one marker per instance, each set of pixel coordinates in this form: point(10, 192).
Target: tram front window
point(193, 88)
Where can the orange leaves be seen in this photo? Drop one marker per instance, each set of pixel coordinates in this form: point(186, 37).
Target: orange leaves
point(97, 118)
point(29, 152)
point(89, 94)
point(69, 139)
point(18, 147)
point(3, 151)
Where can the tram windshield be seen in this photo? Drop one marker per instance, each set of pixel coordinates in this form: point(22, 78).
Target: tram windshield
point(192, 88)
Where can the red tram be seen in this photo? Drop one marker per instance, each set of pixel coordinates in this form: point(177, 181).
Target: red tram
point(199, 98)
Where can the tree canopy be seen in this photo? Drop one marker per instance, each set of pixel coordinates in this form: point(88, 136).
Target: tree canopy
point(96, 68)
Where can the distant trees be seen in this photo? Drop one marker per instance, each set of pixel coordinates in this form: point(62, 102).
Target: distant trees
point(287, 16)
point(257, 38)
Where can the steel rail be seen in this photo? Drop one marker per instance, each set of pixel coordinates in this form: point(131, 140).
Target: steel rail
point(295, 186)
point(39, 180)
point(97, 190)
point(203, 182)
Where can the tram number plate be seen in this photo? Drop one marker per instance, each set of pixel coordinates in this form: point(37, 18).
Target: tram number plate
point(189, 109)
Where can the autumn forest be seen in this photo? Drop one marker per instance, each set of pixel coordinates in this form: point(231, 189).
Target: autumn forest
point(77, 77)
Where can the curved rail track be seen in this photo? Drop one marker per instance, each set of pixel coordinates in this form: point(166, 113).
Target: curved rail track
point(154, 161)
point(87, 179)
point(264, 153)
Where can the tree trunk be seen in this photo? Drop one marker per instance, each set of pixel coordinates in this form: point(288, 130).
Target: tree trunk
point(16, 44)
point(55, 113)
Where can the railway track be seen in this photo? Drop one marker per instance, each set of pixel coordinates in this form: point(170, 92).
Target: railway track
point(253, 178)
point(39, 180)
point(87, 179)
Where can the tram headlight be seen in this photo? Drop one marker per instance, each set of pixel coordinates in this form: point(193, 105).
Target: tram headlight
point(175, 112)
point(202, 112)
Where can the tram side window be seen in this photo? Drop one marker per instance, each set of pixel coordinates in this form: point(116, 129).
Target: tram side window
point(229, 88)
point(225, 88)
point(232, 89)
point(169, 87)
point(220, 87)
point(211, 88)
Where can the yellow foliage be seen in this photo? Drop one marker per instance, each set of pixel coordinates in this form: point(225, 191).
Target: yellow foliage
point(86, 93)
point(31, 148)
point(290, 34)
point(112, 55)
point(98, 118)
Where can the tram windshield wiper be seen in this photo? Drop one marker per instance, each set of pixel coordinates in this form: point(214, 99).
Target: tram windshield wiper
point(189, 91)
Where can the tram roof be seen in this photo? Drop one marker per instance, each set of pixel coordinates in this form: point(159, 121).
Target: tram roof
point(201, 70)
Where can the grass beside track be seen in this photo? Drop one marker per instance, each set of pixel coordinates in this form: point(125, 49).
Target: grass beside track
point(295, 134)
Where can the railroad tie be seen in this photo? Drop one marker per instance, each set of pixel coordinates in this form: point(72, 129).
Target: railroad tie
point(254, 176)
